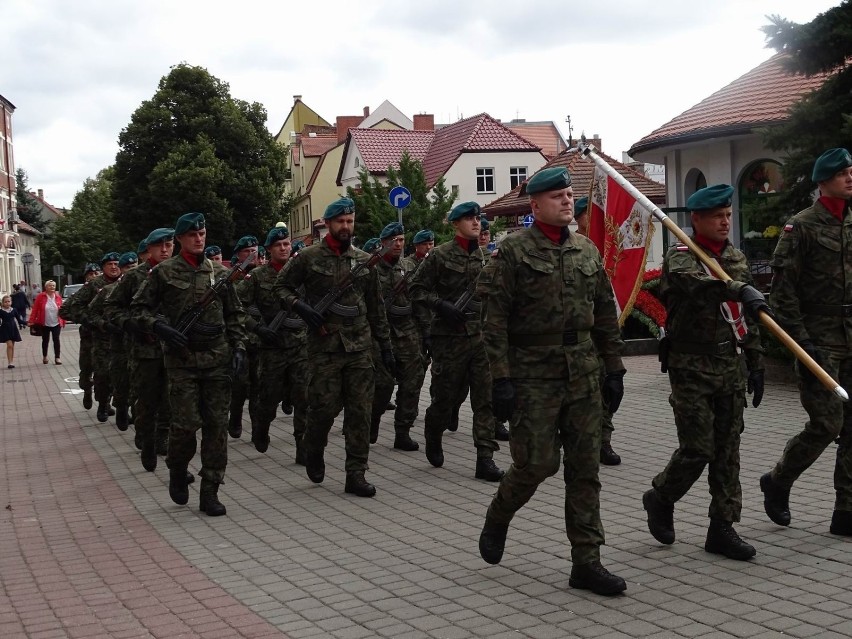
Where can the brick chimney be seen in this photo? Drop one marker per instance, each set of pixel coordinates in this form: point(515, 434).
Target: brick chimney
point(424, 122)
point(296, 98)
point(344, 123)
point(41, 194)
point(366, 112)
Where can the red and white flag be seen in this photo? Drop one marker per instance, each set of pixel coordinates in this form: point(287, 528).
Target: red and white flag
point(622, 230)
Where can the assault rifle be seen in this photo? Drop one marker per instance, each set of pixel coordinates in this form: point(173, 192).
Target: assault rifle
point(401, 284)
point(337, 291)
point(193, 314)
point(466, 297)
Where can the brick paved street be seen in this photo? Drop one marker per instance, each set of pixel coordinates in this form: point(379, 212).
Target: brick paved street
point(92, 546)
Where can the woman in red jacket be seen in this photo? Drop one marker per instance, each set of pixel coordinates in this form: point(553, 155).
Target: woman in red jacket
point(46, 315)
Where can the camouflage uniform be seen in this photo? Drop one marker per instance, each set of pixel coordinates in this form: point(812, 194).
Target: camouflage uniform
point(406, 339)
point(458, 353)
point(550, 312)
point(199, 384)
point(148, 375)
point(811, 299)
point(283, 367)
point(705, 371)
point(340, 362)
point(115, 357)
point(247, 385)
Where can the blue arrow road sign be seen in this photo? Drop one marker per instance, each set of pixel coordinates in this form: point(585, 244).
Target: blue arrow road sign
point(528, 220)
point(399, 197)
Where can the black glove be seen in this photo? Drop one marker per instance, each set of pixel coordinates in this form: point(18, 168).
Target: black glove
point(754, 302)
point(449, 312)
point(113, 329)
point(389, 361)
point(613, 389)
point(169, 335)
point(267, 335)
point(306, 312)
point(132, 326)
point(816, 355)
point(503, 399)
point(238, 363)
point(755, 385)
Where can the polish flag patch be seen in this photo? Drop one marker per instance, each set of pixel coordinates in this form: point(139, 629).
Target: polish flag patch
point(788, 228)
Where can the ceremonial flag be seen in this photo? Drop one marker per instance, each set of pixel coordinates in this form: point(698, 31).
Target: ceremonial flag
point(621, 229)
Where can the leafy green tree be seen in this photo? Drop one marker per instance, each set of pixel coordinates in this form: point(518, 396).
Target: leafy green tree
point(87, 231)
point(192, 147)
point(427, 210)
point(28, 207)
point(822, 119)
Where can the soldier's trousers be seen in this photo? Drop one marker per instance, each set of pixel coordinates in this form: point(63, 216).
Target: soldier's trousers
point(341, 381)
point(84, 360)
point(151, 387)
point(606, 424)
point(119, 375)
point(829, 417)
point(247, 386)
point(100, 366)
point(283, 374)
point(199, 400)
point(457, 359)
point(410, 374)
point(554, 417)
point(708, 411)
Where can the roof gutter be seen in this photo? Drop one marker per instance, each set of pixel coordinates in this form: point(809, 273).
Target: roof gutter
point(698, 136)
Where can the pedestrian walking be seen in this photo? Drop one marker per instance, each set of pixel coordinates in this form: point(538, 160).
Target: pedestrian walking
point(9, 330)
point(46, 315)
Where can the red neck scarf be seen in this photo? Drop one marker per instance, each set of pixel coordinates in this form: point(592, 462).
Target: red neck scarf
point(834, 205)
point(715, 247)
point(192, 260)
point(277, 266)
point(333, 244)
point(468, 246)
point(556, 234)
point(390, 259)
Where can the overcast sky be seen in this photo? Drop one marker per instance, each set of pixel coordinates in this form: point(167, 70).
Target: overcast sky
point(76, 70)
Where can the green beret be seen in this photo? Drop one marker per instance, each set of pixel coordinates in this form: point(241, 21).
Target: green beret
point(465, 209)
point(210, 251)
point(371, 245)
point(246, 241)
point(298, 245)
point(552, 179)
point(275, 234)
point(112, 256)
point(829, 163)
point(710, 197)
point(91, 267)
point(189, 222)
point(343, 206)
point(580, 207)
point(158, 236)
point(143, 246)
point(391, 230)
point(128, 258)
point(423, 236)
point(484, 224)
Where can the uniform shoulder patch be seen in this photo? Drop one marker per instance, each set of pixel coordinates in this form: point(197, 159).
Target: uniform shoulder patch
point(681, 247)
point(494, 253)
point(788, 227)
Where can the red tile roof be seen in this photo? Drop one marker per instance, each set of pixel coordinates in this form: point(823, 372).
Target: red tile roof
point(478, 133)
point(762, 96)
point(544, 135)
point(381, 148)
point(316, 146)
point(581, 177)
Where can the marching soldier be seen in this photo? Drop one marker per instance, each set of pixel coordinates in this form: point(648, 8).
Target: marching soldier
point(550, 314)
point(283, 368)
point(197, 362)
point(447, 277)
point(405, 338)
point(706, 336)
point(811, 271)
point(339, 343)
point(246, 386)
point(84, 359)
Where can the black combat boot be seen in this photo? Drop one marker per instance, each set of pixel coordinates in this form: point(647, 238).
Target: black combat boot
point(315, 466)
point(357, 485)
point(190, 478)
point(776, 500)
point(390, 406)
point(137, 440)
point(841, 523)
point(722, 539)
point(260, 437)
point(103, 412)
point(374, 428)
point(110, 410)
point(403, 441)
point(87, 398)
point(149, 455)
point(178, 487)
point(486, 469)
point(454, 421)
point(209, 502)
point(300, 453)
point(492, 541)
point(122, 419)
point(286, 408)
point(660, 517)
point(435, 452)
point(608, 456)
point(235, 424)
point(501, 433)
point(596, 578)
point(162, 443)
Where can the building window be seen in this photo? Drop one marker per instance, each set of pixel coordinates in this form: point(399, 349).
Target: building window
point(517, 175)
point(357, 162)
point(485, 180)
point(454, 189)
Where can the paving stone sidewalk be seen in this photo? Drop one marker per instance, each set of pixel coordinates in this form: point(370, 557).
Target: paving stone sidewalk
point(89, 523)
